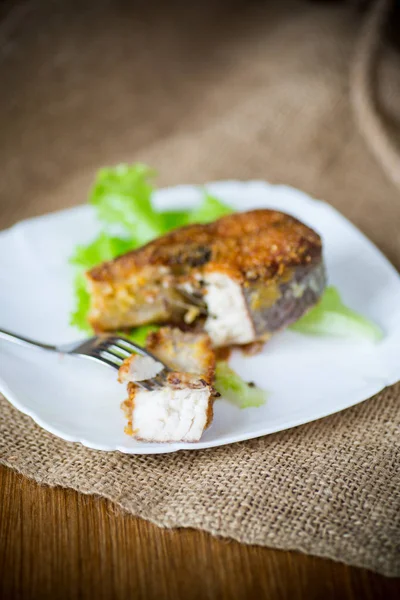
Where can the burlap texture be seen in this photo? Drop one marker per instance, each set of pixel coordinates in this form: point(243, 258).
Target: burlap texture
point(211, 91)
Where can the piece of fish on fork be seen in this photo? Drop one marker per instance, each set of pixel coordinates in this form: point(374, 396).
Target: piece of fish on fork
point(182, 408)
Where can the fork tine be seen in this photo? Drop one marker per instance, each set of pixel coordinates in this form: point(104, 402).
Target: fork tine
point(117, 360)
point(119, 349)
point(107, 350)
point(101, 359)
point(160, 378)
point(126, 344)
point(146, 385)
point(135, 349)
point(113, 350)
point(122, 341)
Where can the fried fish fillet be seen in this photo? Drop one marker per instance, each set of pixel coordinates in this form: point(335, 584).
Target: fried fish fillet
point(244, 276)
point(182, 408)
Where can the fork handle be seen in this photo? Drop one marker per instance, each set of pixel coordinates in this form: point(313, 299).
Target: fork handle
point(23, 341)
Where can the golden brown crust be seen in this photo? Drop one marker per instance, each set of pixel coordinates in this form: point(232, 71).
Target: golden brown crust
point(258, 243)
point(210, 411)
point(123, 371)
point(127, 407)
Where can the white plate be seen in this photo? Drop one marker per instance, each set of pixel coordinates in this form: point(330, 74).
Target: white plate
point(306, 377)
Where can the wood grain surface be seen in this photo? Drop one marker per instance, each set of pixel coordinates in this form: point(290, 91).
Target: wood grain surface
point(56, 543)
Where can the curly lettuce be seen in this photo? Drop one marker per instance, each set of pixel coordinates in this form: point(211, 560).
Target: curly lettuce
point(232, 387)
point(209, 210)
point(121, 196)
point(331, 317)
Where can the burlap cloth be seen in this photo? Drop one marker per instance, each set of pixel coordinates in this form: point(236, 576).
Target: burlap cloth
point(218, 90)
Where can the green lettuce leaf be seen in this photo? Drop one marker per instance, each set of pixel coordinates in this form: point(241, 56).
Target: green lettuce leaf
point(78, 317)
point(103, 248)
point(209, 210)
point(122, 197)
point(232, 387)
point(139, 334)
point(171, 219)
point(331, 317)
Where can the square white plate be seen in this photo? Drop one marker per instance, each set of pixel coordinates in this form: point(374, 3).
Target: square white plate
point(306, 377)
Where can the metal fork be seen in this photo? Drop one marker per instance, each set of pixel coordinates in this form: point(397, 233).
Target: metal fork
point(110, 350)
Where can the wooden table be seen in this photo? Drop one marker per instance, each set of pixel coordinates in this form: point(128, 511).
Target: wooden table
point(56, 543)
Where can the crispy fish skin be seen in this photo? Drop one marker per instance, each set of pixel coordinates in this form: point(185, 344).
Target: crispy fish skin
point(294, 293)
point(183, 408)
point(255, 272)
